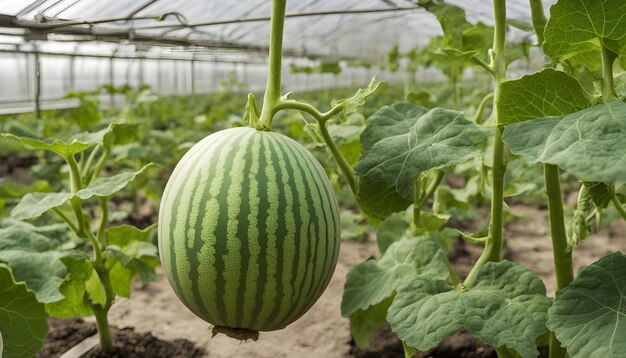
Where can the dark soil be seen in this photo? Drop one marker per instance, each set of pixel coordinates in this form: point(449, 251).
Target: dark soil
point(385, 344)
point(66, 333)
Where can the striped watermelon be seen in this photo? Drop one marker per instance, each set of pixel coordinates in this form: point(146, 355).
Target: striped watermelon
point(248, 230)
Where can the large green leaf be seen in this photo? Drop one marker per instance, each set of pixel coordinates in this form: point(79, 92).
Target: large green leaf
point(371, 282)
point(364, 323)
point(542, 94)
point(32, 205)
point(404, 140)
point(378, 200)
point(506, 307)
point(130, 252)
point(73, 289)
point(591, 144)
point(37, 260)
point(393, 229)
point(23, 320)
point(106, 186)
point(578, 26)
point(588, 316)
point(75, 144)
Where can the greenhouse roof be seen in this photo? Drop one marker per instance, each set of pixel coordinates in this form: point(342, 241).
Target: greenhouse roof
point(230, 31)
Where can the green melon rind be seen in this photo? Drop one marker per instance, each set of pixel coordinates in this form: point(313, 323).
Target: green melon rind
point(249, 230)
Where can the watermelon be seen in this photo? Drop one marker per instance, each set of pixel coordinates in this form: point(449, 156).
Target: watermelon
point(248, 230)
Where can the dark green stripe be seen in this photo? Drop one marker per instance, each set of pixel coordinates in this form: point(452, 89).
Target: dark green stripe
point(242, 231)
point(320, 268)
point(254, 238)
point(193, 251)
point(313, 224)
point(281, 233)
point(290, 163)
point(176, 190)
point(331, 230)
point(221, 238)
point(262, 219)
point(172, 266)
point(192, 224)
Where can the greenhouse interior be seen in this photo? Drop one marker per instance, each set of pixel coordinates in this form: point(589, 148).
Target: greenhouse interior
point(313, 178)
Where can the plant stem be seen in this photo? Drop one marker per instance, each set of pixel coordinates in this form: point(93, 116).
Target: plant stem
point(106, 343)
point(99, 165)
point(75, 186)
point(618, 206)
point(417, 207)
point(493, 246)
point(562, 255)
point(479, 61)
point(608, 89)
point(345, 167)
point(103, 203)
point(481, 108)
point(432, 186)
point(272, 89)
point(538, 18)
point(87, 165)
point(98, 261)
point(67, 219)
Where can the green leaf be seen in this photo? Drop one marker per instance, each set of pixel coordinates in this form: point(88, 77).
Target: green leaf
point(601, 194)
point(506, 307)
point(106, 186)
point(419, 98)
point(542, 94)
point(119, 133)
point(578, 26)
point(364, 323)
point(378, 200)
point(130, 251)
point(37, 260)
point(589, 144)
point(404, 140)
point(588, 315)
point(73, 289)
point(351, 104)
point(125, 235)
point(33, 205)
point(373, 281)
point(121, 278)
point(145, 272)
point(451, 18)
point(23, 320)
point(74, 145)
point(393, 229)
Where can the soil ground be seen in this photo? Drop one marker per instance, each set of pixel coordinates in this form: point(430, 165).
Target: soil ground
point(322, 332)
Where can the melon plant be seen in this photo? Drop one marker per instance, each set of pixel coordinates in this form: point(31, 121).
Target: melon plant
point(248, 230)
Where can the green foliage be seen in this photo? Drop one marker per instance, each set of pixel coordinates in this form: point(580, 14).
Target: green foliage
point(567, 141)
point(23, 320)
point(587, 316)
point(324, 67)
point(36, 258)
point(402, 141)
point(570, 31)
point(505, 307)
point(542, 94)
point(373, 281)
